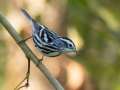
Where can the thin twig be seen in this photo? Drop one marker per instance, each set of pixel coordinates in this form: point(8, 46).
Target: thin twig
point(27, 51)
point(28, 73)
point(26, 39)
point(18, 87)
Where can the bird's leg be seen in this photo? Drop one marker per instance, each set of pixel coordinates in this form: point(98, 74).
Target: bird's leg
point(40, 60)
point(18, 87)
point(25, 39)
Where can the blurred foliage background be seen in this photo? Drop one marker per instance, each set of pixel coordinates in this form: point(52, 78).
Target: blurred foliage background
point(98, 24)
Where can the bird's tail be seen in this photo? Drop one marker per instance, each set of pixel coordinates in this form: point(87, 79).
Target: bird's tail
point(27, 15)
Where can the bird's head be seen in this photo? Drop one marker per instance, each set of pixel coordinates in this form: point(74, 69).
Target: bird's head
point(69, 46)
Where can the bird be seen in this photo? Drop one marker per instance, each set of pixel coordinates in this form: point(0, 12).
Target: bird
point(48, 42)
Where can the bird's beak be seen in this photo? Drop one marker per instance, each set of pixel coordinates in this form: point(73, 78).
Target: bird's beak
point(72, 53)
point(75, 51)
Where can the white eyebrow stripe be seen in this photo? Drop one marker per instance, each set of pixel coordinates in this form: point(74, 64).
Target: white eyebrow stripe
point(67, 40)
point(41, 30)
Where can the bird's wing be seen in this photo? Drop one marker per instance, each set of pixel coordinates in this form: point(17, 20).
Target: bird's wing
point(47, 36)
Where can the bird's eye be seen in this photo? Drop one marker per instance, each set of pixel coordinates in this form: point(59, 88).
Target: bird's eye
point(70, 45)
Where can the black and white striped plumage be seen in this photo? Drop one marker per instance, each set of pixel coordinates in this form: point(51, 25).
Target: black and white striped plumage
point(48, 42)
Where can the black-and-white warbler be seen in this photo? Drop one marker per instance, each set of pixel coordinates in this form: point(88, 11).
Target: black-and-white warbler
point(48, 42)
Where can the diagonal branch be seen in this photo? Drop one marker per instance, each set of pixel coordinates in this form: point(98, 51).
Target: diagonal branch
point(27, 51)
